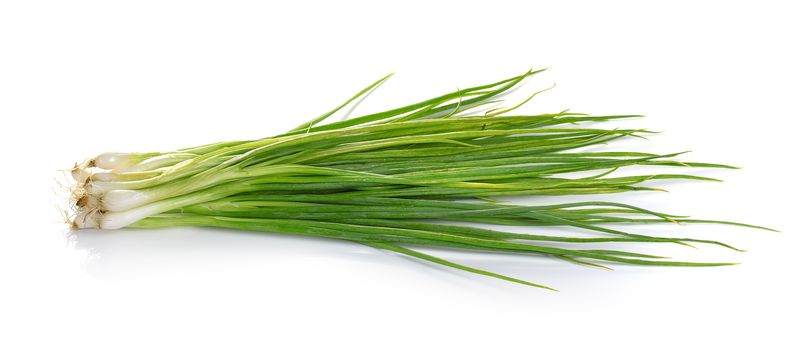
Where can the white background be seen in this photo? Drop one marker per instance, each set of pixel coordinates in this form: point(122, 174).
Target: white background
point(80, 77)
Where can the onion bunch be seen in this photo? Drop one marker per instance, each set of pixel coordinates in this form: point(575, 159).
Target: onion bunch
point(414, 176)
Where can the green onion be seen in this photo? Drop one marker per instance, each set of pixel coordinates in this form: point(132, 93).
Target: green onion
point(391, 180)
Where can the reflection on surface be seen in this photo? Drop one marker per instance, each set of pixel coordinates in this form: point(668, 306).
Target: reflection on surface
point(185, 254)
point(193, 250)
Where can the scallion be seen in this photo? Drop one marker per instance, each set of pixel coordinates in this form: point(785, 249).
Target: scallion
point(388, 180)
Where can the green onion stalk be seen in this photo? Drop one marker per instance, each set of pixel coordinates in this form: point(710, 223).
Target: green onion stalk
point(417, 176)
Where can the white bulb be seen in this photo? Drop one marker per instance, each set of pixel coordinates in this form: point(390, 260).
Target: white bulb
point(87, 219)
point(112, 160)
point(80, 174)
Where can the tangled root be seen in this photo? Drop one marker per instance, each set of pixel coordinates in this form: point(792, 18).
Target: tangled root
point(85, 207)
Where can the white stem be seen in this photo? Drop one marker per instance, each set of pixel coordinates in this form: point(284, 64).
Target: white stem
point(113, 160)
point(105, 176)
point(159, 162)
point(120, 200)
point(100, 188)
point(115, 220)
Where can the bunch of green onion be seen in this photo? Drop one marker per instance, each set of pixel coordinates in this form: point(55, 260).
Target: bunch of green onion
point(414, 176)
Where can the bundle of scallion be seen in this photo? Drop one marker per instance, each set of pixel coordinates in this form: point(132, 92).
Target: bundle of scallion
point(389, 180)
